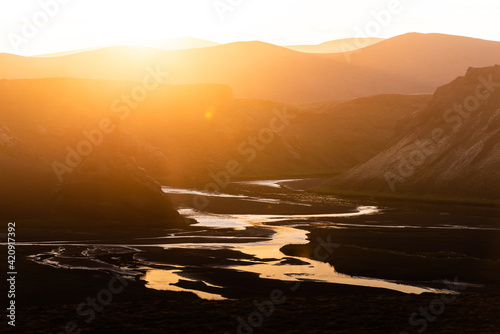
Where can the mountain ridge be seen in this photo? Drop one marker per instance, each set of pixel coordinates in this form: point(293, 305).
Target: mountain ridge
point(448, 150)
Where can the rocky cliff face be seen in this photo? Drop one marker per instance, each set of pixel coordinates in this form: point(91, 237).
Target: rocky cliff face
point(450, 149)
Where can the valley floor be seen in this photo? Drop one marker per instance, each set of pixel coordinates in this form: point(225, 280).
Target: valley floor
point(140, 280)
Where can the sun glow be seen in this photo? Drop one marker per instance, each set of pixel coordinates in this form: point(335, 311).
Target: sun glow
point(48, 26)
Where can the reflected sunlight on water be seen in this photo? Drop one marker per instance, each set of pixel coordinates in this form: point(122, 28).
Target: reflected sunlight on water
point(160, 279)
point(270, 249)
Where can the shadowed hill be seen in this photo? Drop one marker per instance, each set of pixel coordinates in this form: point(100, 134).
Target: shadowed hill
point(448, 150)
point(43, 127)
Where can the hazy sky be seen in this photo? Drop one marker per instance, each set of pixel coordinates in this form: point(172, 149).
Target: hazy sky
point(43, 26)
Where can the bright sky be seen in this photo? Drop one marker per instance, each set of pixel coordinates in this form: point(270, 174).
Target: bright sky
point(43, 26)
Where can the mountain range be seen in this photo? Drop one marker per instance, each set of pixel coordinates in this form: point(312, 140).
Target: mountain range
point(406, 64)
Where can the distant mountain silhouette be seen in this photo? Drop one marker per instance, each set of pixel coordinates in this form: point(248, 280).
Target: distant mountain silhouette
point(161, 44)
point(336, 46)
point(407, 64)
point(449, 150)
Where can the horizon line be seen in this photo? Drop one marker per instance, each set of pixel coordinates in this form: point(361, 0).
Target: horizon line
point(139, 45)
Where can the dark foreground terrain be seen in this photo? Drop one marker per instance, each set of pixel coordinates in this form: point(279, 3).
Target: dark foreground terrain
point(439, 245)
point(49, 299)
point(367, 313)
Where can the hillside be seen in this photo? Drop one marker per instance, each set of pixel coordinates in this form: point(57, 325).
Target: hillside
point(185, 132)
point(449, 150)
point(42, 137)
